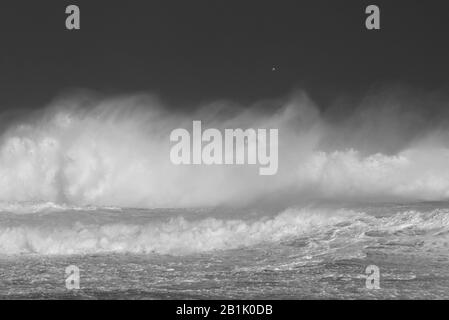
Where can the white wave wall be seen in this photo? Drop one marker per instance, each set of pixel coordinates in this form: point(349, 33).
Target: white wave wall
point(175, 236)
point(115, 152)
point(317, 230)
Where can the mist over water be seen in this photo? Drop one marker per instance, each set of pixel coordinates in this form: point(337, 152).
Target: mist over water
point(83, 150)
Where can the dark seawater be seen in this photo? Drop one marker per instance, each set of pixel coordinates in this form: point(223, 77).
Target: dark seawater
point(315, 252)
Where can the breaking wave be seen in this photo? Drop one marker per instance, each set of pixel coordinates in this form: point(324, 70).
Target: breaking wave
point(178, 235)
point(115, 152)
point(413, 174)
point(321, 229)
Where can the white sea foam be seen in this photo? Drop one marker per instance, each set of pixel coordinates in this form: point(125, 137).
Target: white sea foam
point(322, 227)
point(176, 236)
point(413, 174)
point(116, 153)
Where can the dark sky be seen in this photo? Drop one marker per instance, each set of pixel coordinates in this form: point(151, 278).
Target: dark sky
point(195, 51)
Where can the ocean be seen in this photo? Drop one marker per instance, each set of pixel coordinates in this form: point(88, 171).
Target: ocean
point(318, 251)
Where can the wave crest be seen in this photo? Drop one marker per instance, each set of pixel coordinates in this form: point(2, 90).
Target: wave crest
point(116, 153)
point(176, 236)
point(322, 230)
